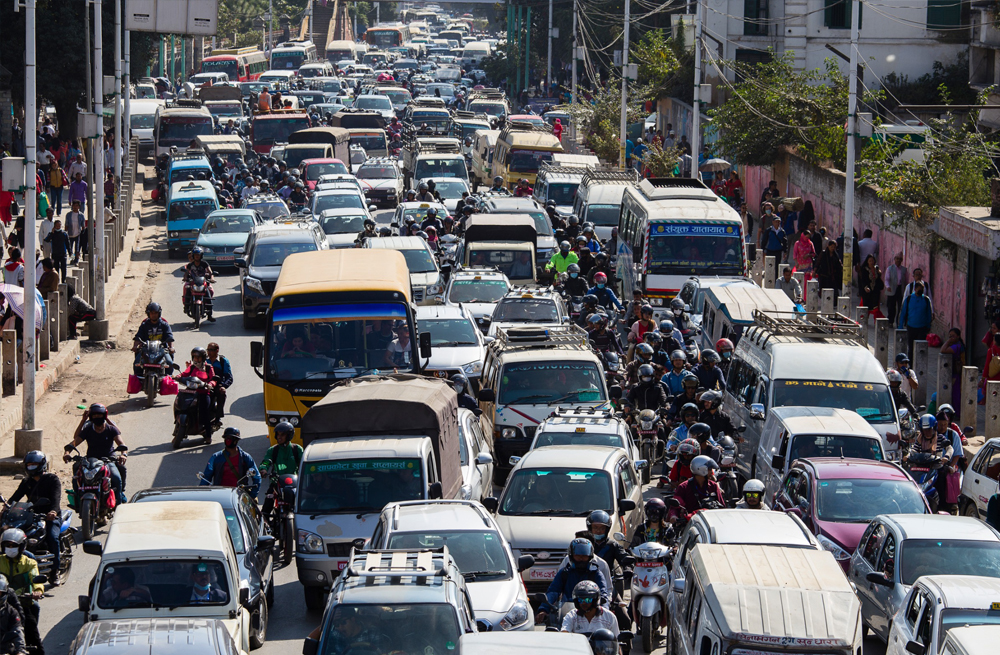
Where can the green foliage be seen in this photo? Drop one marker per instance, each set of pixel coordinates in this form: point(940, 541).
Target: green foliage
point(662, 162)
point(658, 59)
point(925, 90)
point(599, 119)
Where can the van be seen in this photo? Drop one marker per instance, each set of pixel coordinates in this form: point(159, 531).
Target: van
point(795, 360)
point(277, 79)
point(141, 122)
point(296, 152)
point(599, 198)
point(726, 307)
point(521, 149)
point(188, 206)
point(476, 51)
point(559, 184)
point(179, 636)
point(318, 69)
point(483, 144)
point(373, 140)
point(792, 433)
point(164, 549)
point(340, 50)
point(754, 599)
point(504, 241)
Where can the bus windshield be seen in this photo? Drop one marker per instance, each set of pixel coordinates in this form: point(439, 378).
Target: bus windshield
point(334, 342)
point(694, 249)
point(268, 131)
point(181, 130)
point(287, 59)
point(384, 38)
point(195, 209)
point(528, 161)
point(227, 66)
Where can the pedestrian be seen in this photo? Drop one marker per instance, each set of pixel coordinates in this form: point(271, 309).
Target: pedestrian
point(991, 369)
point(748, 221)
point(789, 285)
point(918, 276)
point(818, 237)
point(59, 243)
point(44, 227)
point(629, 147)
point(109, 188)
point(733, 184)
point(13, 268)
point(955, 346)
point(991, 333)
point(49, 280)
point(639, 154)
point(804, 254)
point(557, 129)
point(916, 315)
point(806, 218)
point(78, 190)
point(78, 310)
point(866, 246)
point(766, 215)
point(770, 193)
point(830, 268)
point(57, 179)
point(75, 222)
point(77, 167)
point(870, 285)
point(895, 280)
point(775, 242)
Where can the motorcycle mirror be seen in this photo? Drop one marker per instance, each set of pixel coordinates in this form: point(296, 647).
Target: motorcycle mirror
point(615, 392)
point(491, 504)
point(619, 536)
point(310, 646)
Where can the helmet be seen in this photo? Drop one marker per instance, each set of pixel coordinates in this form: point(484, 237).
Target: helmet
point(16, 537)
point(282, 428)
point(689, 447)
point(197, 251)
point(588, 228)
point(710, 356)
point(714, 398)
point(690, 380)
point(644, 351)
point(947, 410)
point(596, 318)
point(722, 345)
point(460, 382)
point(550, 203)
point(655, 509)
point(581, 546)
point(653, 338)
point(422, 186)
point(677, 306)
point(603, 641)
point(601, 257)
point(234, 433)
point(894, 377)
point(598, 517)
point(590, 299)
point(573, 220)
point(690, 408)
point(97, 409)
point(702, 464)
point(498, 181)
point(600, 278)
point(582, 240)
point(645, 309)
point(385, 232)
point(645, 373)
point(35, 462)
point(154, 307)
point(199, 351)
point(564, 246)
point(586, 593)
point(678, 354)
point(573, 268)
point(432, 213)
point(369, 223)
point(902, 358)
point(699, 431)
point(928, 422)
point(753, 486)
point(3, 585)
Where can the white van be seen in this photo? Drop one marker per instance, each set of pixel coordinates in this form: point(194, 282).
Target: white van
point(795, 360)
point(751, 600)
point(142, 121)
point(476, 51)
point(726, 307)
point(162, 550)
point(281, 79)
point(599, 199)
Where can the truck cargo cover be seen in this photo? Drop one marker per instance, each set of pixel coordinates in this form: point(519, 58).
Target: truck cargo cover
point(500, 227)
point(393, 405)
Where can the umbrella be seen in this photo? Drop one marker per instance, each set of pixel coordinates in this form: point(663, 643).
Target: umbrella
point(14, 295)
point(715, 165)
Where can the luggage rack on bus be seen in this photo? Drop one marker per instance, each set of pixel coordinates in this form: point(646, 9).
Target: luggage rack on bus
point(550, 168)
point(522, 126)
point(542, 337)
point(184, 103)
point(609, 175)
point(808, 325)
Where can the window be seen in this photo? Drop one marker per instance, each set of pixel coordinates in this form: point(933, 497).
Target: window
point(627, 482)
point(991, 464)
point(923, 634)
point(754, 17)
point(790, 483)
point(695, 615)
point(887, 558)
point(874, 538)
point(837, 14)
point(913, 609)
point(943, 14)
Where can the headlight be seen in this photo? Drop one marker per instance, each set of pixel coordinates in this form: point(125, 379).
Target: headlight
point(435, 289)
point(174, 235)
point(656, 302)
point(517, 615)
point(206, 250)
point(475, 368)
point(839, 553)
point(254, 285)
point(466, 492)
point(392, 192)
point(508, 433)
point(294, 420)
point(310, 543)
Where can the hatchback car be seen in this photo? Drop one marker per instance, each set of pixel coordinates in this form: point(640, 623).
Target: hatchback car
point(897, 549)
point(480, 550)
point(418, 210)
point(552, 490)
point(224, 231)
point(585, 427)
point(382, 181)
point(456, 341)
point(268, 205)
point(450, 190)
point(425, 277)
point(525, 306)
point(938, 603)
point(342, 226)
point(837, 498)
point(980, 480)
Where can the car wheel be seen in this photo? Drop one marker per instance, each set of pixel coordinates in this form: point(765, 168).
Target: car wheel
point(970, 509)
point(259, 636)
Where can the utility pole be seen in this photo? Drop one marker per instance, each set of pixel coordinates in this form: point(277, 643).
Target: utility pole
point(127, 94)
point(117, 148)
point(623, 137)
point(572, 100)
point(852, 128)
point(548, 62)
point(696, 108)
point(28, 433)
point(270, 26)
point(378, 13)
point(89, 145)
point(97, 330)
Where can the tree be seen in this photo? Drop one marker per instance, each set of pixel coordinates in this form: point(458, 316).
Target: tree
point(657, 58)
point(599, 119)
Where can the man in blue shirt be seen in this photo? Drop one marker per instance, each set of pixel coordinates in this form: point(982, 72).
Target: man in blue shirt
point(916, 315)
point(638, 153)
point(775, 242)
point(605, 296)
point(629, 148)
point(225, 374)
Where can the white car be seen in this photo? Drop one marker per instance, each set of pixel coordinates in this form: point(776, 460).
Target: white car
point(478, 290)
point(450, 189)
point(337, 198)
point(418, 210)
point(377, 103)
point(523, 307)
point(585, 427)
point(426, 281)
point(381, 181)
point(979, 482)
point(937, 603)
point(199, 79)
point(341, 226)
point(456, 342)
point(444, 90)
point(474, 451)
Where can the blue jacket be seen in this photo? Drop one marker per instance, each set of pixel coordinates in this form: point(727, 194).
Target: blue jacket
point(605, 296)
point(223, 370)
point(561, 588)
point(916, 312)
point(673, 381)
point(159, 331)
point(710, 377)
point(213, 472)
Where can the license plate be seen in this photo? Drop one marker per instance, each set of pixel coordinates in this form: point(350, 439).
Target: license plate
point(341, 565)
point(225, 258)
point(541, 574)
point(648, 564)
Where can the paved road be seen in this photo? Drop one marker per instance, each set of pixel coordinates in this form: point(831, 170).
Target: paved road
point(153, 463)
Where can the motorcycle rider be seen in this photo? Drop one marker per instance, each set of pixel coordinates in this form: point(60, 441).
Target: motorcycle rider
point(581, 566)
point(20, 571)
point(900, 397)
point(498, 186)
point(573, 229)
point(649, 393)
point(431, 220)
point(562, 259)
point(680, 472)
point(298, 195)
point(674, 378)
point(588, 309)
point(224, 379)
point(102, 437)
point(672, 335)
point(682, 320)
point(465, 399)
point(643, 355)
point(602, 264)
point(284, 456)
point(601, 338)
point(708, 372)
point(590, 240)
point(640, 328)
point(700, 492)
point(688, 416)
point(951, 466)
point(11, 622)
point(706, 444)
point(689, 395)
point(195, 268)
point(575, 286)
point(654, 528)
point(661, 357)
point(587, 615)
point(424, 194)
point(43, 490)
point(725, 349)
point(231, 465)
point(713, 416)
point(599, 524)
point(753, 495)
point(200, 368)
point(367, 233)
point(153, 328)
point(605, 296)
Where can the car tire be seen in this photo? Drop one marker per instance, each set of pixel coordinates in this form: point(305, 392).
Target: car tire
point(259, 636)
point(315, 598)
point(270, 592)
point(970, 508)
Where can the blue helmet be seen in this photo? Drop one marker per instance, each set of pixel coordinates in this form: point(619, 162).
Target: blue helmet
point(928, 422)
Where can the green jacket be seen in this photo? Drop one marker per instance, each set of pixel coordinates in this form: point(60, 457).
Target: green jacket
point(562, 263)
point(285, 459)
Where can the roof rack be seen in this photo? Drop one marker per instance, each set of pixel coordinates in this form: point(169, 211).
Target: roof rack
point(607, 175)
point(542, 337)
point(449, 148)
point(184, 103)
point(520, 126)
point(591, 411)
point(810, 325)
point(398, 563)
point(556, 169)
point(469, 115)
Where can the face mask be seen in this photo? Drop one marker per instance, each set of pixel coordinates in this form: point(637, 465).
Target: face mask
point(12, 553)
point(677, 312)
point(727, 355)
point(600, 286)
point(600, 537)
point(230, 443)
point(573, 275)
point(768, 212)
point(581, 566)
point(98, 420)
point(203, 587)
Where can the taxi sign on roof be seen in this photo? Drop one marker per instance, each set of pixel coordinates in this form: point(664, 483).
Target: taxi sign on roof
point(994, 606)
point(581, 429)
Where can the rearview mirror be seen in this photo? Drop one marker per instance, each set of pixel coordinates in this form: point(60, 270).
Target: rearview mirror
point(491, 504)
point(256, 354)
point(434, 490)
point(240, 262)
point(641, 464)
point(625, 505)
point(244, 596)
point(93, 547)
point(265, 542)
point(83, 603)
point(359, 543)
point(615, 392)
point(487, 395)
point(915, 648)
point(525, 562)
point(514, 459)
point(678, 585)
point(310, 646)
point(484, 458)
point(778, 462)
point(424, 341)
point(795, 511)
point(757, 411)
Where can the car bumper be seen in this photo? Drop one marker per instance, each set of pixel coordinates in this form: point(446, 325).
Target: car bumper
point(319, 570)
point(448, 373)
point(381, 198)
point(255, 303)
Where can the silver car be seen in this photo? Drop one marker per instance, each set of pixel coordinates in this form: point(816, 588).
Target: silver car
point(476, 458)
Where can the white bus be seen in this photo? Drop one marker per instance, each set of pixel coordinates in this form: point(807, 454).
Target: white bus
point(292, 54)
point(178, 123)
point(340, 50)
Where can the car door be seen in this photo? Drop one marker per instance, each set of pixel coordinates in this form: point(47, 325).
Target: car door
point(981, 478)
point(904, 630)
point(863, 562)
point(628, 487)
point(256, 527)
point(482, 445)
point(882, 594)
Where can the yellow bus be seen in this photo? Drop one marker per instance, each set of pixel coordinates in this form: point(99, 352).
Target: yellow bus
point(335, 315)
point(521, 148)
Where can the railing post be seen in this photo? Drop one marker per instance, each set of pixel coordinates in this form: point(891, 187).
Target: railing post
point(882, 341)
point(769, 275)
point(63, 313)
point(920, 361)
point(828, 304)
point(992, 409)
point(943, 379)
point(8, 367)
point(899, 343)
point(43, 334)
point(969, 396)
point(844, 306)
point(812, 296)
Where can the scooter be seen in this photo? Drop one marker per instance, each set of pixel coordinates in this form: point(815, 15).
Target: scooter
point(92, 496)
point(153, 362)
point(23, 517)
point(727, 470)
point(924, 469)
point(650, 586)
point(648, 429)
point(197, 299)
point(187, 417)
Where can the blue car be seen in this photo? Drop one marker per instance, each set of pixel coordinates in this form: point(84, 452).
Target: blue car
point(224, 231)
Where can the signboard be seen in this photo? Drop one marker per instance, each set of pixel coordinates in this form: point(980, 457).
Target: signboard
point(190, 17)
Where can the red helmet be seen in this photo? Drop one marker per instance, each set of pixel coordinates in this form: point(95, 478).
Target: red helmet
point(600, 278)
point(723, 344)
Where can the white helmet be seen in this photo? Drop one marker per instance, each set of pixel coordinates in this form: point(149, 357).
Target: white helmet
point(893, 376)
point(702, 464)
point(753, 486)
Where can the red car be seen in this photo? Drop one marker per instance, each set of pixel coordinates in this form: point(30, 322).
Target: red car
point(837, 498)
point(313, 169)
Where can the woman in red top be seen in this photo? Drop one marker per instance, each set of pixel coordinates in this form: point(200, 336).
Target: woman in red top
point(200, 368)
point(557, 129)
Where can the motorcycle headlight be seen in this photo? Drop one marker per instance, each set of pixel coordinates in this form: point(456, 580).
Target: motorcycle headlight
point(517, 616)
point(174, 235)
point(309, 542)
point(90, 474)
point(656, 302)
point(254, 285)
point(647, 425)
point(508, 433)
point(827, 544)
point(474, 368)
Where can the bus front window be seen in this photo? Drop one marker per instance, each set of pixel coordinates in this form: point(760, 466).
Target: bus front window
point(694, 250)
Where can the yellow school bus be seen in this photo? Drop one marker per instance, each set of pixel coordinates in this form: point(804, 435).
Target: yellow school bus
point(521, 148)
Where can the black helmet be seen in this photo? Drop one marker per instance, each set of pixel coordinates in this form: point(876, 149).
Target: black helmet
point(200, 351)
point(573, 268)
point(644, 351)
point(97, 409)
point(385, 232)
point(35, 462)
point(653, 338)
point(599, 517)
point(233, 433)
point(586, 594)
point(690, 380)
point(655, 509)
point(422, 186)
point(498, 181)
point(713, 398)
point(709, 355)
point(550, 203)
point(581, 546)
point(700, 431)
point(601, 257)
point(603, 642)
point(677, 305)
point(690, 408)
point(646, 373)
point(573, 220)
point(432, 213)
point(284, 427)
point(590, 299)
point(154, 307)
point(369, 223)
point(564, 246)
point(460, 382)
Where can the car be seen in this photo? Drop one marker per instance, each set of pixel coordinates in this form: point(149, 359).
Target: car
point(202, 78)
point(480, 550)
point(478, 290)
point(381, 181)
point(270, 206)
point(837, 498)
point(337, 181)
point(549, 494)
point(344, 196)
point(545, 242)
point(938, 603)
point(476, 456)
point(440, 90)
point(528, 306)
point(324, 108)
point(377, 103)
point(223, 232)
point(585, 427)
point(145, 91)
point(979, 483)
point(450, 190)
point(425, 276)
point(313, 169)
point(342, 226)
point(246, 526)
point(896, 549)
point(418, 210)
point(457, 345)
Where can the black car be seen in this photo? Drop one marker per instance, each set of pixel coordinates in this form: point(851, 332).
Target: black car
point(246, 526)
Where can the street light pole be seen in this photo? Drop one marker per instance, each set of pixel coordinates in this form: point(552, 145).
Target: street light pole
point(30, 215)
point(696, 108)
point(852, 122)
point(98, 328)
point(117, 151)
point(622, 136)
point(572, 100)
point(548, 63)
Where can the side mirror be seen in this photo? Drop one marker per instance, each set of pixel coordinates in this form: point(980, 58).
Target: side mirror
point(915, 648)
point(265, 542)
point(619, 536)
point(240, 262)
point(93, 547)
point(310, 646)
point(795, 511)
point(641, 464)
point(83, 603)
point(757, 411)
point(487, 395)
point(751, 252)
point(244, 596)
point(483, 626)
point(525, 562)
point(879, 579)
point(288, 494)
point(615, 392)
point(778, 462)
point(424, 341)
point(678, 585)
point(484, 458)
point(359, 543)
point(239, 251)
point(625, 637)
point(625, 505)
point(256, 354)
point(434, 491)
point(491, 504)
point(394, 224)
point(741, 429)
point(514, 459)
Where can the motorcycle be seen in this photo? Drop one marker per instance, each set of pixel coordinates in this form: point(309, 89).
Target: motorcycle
point(23, 517)
point(197, 298)
point(924, 469)
point(727, 470)
point(282, 519)
point(153, 362)
point(648, 428)
point(92, 496)
point(187, 417)
point(650, 586)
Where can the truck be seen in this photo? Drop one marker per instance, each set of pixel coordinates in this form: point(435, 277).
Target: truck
point(506, 241)
point(370, 441)
point(428, 156)
point(270, 128)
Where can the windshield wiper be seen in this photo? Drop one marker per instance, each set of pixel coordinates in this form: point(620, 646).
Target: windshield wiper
point(452, 344)
point(537, 396)
point(472, 575)
point(577, 392)
point(542, 512)
point(363, 509)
